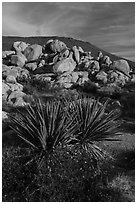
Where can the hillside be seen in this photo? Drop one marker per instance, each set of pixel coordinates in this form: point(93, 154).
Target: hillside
point(70, 42)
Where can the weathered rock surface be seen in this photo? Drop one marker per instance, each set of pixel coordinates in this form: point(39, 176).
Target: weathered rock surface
point(66, 65)
point(122, 66)
point(18, 60)
point(6, 54)
point(32, 52)
point(19, 46)
point(102, 76)
point(11, 79)
point(57, 46)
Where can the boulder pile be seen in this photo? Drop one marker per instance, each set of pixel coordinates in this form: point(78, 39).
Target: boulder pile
point(58, 65)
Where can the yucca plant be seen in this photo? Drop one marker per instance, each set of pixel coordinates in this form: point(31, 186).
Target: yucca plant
point(94, 124)
point(44, 127)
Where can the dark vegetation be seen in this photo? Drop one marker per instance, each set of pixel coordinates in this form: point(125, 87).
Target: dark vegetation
point(72, 146)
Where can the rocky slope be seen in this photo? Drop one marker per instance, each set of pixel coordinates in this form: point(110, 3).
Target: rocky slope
point(62, 63)
point(7, 42)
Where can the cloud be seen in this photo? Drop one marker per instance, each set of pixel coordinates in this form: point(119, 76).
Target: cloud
point(105, 24)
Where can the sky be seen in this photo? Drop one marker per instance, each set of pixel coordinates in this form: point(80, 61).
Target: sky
point(108, 25)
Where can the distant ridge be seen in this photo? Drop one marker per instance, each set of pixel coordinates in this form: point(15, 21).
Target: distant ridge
point(7, 42)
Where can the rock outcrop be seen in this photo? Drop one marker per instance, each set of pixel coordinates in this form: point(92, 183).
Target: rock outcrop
point(57, 65)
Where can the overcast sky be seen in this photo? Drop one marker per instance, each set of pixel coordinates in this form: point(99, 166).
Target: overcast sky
point(110, 26)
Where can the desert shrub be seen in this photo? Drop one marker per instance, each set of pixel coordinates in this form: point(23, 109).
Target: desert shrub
point(110, 90)
point(128, 104)
point(66, 158)
point(16, 175)
point(67, 175)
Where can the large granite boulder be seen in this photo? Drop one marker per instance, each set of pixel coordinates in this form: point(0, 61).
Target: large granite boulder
point(66, 65)
point(16, 99)
point(33, 52)
point(57, 45)
point(122, 66)
point(20, 46)
point(18, 60)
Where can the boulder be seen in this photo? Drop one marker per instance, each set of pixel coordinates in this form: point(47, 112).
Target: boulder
point(6, 54)
point(4, 116)
point(20, 46)
point(15, 87)
point(122, 66)
point(76, 54)
point(11, 79)
point(67, 80)
point(80, 49)
point(18, 72)
point(5, 89)
point(66, 65)
point(94, 66)
point(49, 41)
point(117, 78)
point(83, 77)
point(102, 76)
point(62, 55)
point(100, 55)
point(7, 71)
point(16, 98)
point(107, 61)
point(57, 46)
point(33, 52)
point(31, 66)
point(18, 60)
